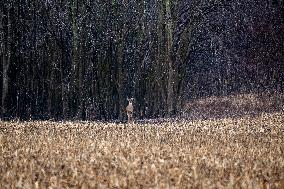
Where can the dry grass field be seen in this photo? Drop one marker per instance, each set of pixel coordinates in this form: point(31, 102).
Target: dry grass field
point(246, 152)
point(235, 105)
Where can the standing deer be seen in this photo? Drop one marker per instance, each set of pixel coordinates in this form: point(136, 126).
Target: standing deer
point(129, 110)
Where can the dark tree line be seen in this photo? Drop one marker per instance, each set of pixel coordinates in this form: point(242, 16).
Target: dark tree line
point(74, 59)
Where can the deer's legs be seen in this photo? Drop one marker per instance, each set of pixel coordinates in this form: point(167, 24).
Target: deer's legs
point(130, 118)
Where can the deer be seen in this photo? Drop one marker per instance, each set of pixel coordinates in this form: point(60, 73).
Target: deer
point(129, 110)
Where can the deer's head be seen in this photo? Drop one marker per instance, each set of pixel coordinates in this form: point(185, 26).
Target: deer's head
point(130, 100)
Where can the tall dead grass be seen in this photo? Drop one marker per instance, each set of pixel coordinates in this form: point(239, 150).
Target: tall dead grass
point(234, 106)
point(216, 153)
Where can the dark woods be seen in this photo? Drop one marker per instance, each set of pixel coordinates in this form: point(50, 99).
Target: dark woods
point(81, 59)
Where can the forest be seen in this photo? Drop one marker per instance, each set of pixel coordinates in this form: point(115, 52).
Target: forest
point(142, 94)
point(82, 59)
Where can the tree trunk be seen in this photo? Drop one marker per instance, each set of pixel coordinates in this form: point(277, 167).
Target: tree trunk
point(6, 63)
point(64, 86)
point(81, 89)
point(75, 70)
point(169, 35)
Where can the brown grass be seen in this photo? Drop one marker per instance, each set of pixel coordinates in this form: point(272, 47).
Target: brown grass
point(234, 105)
point(222, 153)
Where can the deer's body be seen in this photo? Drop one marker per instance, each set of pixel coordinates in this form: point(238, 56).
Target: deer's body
point(129, 110)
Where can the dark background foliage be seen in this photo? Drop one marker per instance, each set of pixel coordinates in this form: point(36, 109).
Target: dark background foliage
point(74, 59)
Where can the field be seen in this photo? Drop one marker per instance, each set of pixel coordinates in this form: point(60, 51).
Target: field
point(240, 152)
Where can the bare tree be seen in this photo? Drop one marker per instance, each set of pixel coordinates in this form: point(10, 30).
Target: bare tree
point(6, 55)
